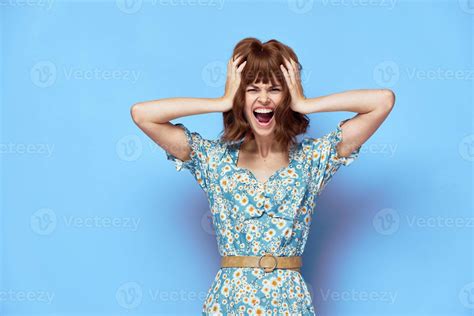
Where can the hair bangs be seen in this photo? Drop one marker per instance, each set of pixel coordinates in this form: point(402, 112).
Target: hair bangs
point(264, 69)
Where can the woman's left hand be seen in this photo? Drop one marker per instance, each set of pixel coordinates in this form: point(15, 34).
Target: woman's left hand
point(293, 80)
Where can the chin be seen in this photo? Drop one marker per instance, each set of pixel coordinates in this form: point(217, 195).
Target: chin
point(268, 130)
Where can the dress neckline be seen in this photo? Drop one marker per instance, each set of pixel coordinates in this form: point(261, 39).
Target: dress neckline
point(235, 158)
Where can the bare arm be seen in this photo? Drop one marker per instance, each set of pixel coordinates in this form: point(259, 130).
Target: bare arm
point(153, 117)
point(372, 108)
point(371, 105)
point(165, 110)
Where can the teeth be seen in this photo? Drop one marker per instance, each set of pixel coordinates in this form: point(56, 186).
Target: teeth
point(263, 111)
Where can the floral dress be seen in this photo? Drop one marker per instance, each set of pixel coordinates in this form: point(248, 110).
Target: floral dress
point(251, 218)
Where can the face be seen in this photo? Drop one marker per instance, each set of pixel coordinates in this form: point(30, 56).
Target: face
point(260, 103)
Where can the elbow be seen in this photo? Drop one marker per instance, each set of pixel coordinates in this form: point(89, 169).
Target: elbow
point(388, 98)
point(136, 112)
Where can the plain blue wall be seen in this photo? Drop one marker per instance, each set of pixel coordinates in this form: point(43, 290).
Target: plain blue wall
point(96, 221)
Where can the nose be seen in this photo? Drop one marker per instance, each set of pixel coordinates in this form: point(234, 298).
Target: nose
point(263, 98)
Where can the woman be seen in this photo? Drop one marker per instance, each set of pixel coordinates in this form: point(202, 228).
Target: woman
point(261, 183)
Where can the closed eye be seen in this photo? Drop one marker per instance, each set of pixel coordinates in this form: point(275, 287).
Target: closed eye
point(274, 89)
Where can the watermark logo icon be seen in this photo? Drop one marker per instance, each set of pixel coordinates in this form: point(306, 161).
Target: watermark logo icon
point(43, 221)
point(466, 148)
point(129, 148)
point(129, 295)
point(386, 73)
point(467, 6)
point(386, 221)
point(300, 6)
point(466, 295)
point(214, 74)
point(129, 6)
point(43, 74)
point(206, 223)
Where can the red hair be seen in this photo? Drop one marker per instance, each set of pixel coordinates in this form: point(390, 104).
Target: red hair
point(263, 65)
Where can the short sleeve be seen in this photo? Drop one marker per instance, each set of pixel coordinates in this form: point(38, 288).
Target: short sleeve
point(324, 158)
point(198, 164)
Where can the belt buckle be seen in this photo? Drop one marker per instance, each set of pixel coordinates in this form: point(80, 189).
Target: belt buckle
point(267, 269)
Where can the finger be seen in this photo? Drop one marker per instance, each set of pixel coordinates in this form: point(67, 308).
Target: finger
point(232, 59)
point(294, 72)
point(233, 69)
point(230, 70)
point(241, 67)
point(296, 69)
point(289, 67)
point(293, 65)
point(229, 66)
point(236, 61)
point(232, 62)
point(286, 75)
point(290, 71)
point(293, 62)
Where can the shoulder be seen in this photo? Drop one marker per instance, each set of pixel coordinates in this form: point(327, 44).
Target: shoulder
point(200, 142)
point(309, 144)
point(327, 140)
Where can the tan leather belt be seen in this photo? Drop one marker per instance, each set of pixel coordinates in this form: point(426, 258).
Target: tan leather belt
point(268, 262)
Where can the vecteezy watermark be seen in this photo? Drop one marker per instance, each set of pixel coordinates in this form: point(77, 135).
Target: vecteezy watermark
point(466, 295)
point(467, 6)
point(133, 6)
point(386, 73)
point(309, 286)
point(440, 222)
point(130, 295)
point(27, 149)
point(214, 74)
point(466, 148)
point(304, 6)
point(128, 223)
point(300, 6)
point(15, 295)
point(354, 295)
point(382, 149)
point(218, 4)
point(129, 148)
point(176, 295)
point(45, 221)
point(129, 6)
point(390, 4)
point(101, 74)
point(45, 73)
point(44, 4)
point(439, 74)
point(206, 223)
point(388, 222)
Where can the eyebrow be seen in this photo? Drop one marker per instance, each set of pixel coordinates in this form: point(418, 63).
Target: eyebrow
point(254, 86)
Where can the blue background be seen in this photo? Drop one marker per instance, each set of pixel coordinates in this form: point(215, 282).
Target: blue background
point(96, 221)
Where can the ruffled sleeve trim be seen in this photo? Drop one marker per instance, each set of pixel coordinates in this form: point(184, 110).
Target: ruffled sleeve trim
point(335, 138)
point(180, 164)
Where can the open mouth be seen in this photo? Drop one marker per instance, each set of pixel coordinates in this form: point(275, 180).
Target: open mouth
point(263, 115)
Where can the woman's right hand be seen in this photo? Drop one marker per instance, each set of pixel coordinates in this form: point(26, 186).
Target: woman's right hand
point(232, 82)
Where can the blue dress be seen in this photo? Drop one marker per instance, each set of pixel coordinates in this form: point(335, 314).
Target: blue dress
point(251, 218)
